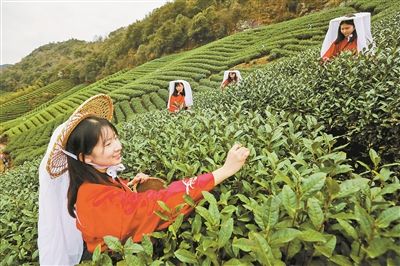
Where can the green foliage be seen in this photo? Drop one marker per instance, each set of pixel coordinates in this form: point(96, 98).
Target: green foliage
point(356, 98)
point(302, 197)
point(23, 104)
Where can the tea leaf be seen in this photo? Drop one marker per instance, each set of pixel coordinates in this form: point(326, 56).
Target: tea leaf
point(162, 215)
point(96, 253)
point(341, 260)
point(283, 236)
point(189, 200)
point(261, 249)
point(205, 214)
point(289, 200)
point(348, 228)
point(185, 256)
point(113, 243)
point(163, 206)
point(243, 244)
point(209, 197)
point(225, 232)
point(349, 187)
point(310, 235)
point(388, 216)
point(313, 183)
point(177, 224)
point(315, 212)
point(378, 247)
point(327, 248)
point(196, 224)
point(147, 245)
point(374, 157)
point(131, 248)
point(364, 220)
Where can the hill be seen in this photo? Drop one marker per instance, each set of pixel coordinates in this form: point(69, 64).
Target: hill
point(4, 66)
point(193, 23)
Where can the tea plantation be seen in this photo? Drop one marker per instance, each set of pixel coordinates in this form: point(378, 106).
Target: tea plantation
point(144, 88)
point(321, 186)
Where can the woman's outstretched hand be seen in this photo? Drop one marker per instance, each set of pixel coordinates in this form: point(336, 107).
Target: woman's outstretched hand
point(235, 159)
point(139, 178)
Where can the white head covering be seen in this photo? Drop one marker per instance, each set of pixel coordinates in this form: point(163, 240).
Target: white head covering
point(186, 87)
point(59, 241)
point(362, 22)
point(226, 73)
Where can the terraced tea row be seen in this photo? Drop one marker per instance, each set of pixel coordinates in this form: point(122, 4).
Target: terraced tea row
point(25, 103)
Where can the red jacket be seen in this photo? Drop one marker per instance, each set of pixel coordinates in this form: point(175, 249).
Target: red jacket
point(107, 210)
point(336, 49)
point(176, 102)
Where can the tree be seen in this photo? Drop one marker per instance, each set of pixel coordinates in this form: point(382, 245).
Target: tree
point(199, 29)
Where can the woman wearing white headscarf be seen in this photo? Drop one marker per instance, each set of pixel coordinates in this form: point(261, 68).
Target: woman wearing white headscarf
point(231, 76)
point(59, 241)
point(180, 96)
point(348, 33)
point(80, 188)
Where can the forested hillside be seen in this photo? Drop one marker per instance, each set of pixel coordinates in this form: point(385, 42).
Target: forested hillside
point(176, 26)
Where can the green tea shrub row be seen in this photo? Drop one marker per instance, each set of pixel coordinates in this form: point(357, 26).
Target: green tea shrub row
point(137, 106)
point(298, 200)
point(118, 114)
point(157, 100)
point(127, 110)
point(163, 94)
point(147, 103)
point(354, 97)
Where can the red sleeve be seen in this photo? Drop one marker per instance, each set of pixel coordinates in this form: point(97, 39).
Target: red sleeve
point(330, 52)
point(172, 102)
point(105, 210)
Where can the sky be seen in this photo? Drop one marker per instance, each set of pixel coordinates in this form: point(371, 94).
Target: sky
point(29, 24)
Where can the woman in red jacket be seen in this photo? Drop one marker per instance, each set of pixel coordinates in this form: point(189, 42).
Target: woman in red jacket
point(345, 41)
point(177, 99)
point(230, 77)
point(348, 33)
point(88, 148)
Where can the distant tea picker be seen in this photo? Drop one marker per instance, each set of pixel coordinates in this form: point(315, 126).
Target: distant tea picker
point(81, 198)
point(180, 96)
point(230, 77)
point(347, 33)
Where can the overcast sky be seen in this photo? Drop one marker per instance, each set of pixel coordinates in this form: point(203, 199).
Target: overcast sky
point(28, 24)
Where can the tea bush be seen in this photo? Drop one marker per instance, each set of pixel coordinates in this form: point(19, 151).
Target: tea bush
point(25, 103)
point(297, 201)
point(298, 197)
point(301, 199)
point(354, 97)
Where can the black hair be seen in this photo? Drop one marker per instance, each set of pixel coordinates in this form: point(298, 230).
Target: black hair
point(81, 141)
point(175, 93)
point(229, 77)
point(340, 36)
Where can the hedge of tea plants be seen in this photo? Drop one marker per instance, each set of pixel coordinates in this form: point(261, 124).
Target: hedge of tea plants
point(301, 199)
point(298, 200)
point(25, 103)
point(356, 97)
